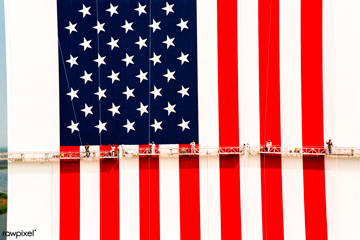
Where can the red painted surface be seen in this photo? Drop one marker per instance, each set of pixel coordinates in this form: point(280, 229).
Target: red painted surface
point(230, 197)
point(228, 74)
point(228, 118)
point(312, 118)
point(271, 197)
point(149, 196)
point(189, 196)
point(270, 123)
point(69, 196)
point(109, 197)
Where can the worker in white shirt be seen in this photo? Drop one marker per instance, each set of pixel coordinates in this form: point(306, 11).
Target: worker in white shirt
point(153, 147)
point(192, 144)
point(112, 151)
point(268, 145)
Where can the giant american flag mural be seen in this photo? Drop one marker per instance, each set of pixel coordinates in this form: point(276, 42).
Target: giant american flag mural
point(226, 73)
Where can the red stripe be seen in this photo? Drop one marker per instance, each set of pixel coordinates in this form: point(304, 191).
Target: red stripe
point(230, 197)
point(149, 197)
point(189, 197)
point(228, 118)
point(228, 74)
point(270, 125)
point(69, 196)
point(312, 118)
point(109, 198)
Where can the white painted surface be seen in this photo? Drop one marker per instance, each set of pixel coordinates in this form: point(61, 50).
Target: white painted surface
point(250, 195)
point(129, 197)
point(341, 61)
point(169, 197)
point(33, 197)
point(210, 198)
point(207, 73)
point(89, 197)
point(291, 125)
point(248, 65)
point(32, 75)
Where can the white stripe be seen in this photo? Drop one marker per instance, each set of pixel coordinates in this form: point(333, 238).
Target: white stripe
point(210, 198)
point(129, 197)
point(250, 192)
point(342, 181)
point(169, 196)
point(341, 51)
point(250, 179)
point(291, 125)
point(32, 75)
point(207, 73)
point(89, 197)
point(248, 54)
point(31, 198)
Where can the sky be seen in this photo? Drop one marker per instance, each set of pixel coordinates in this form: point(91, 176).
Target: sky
point(3, 108)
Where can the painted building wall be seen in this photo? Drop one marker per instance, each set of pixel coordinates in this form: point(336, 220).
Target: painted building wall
point(264, 198)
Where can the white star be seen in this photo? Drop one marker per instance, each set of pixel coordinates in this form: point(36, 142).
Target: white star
point(72, 61)
point(183, 58)
point(73, 94)
point(86, 77)
point(182, 24)
point(112, 10)
point(156, 92)
point(113, 43)
point(184, 125)
point(169, 75)
point(155, 25)
point(141, 42)
point(142, 76)
point(86, 44)
point(156, 125)
point(129, 92)
point(73, 126)
point(100, 93)
point(99, 27)
point(114, 76)
point(129, 125)
point(101, 126)
point(114, 109)
point(100, 60)
point(128, 59)
point(71, 27)
point(141, 9)
point(183, 91)
point(155, 58)
point(170, 108)
point(85, 11)
point(169, 42)
point(87, 110)
point(127, 26)
point(168, 8)
point(142, 109)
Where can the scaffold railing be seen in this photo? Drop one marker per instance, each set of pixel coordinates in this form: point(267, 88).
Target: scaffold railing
point(129, 152)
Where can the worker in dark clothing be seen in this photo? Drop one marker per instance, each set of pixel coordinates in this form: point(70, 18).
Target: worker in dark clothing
point(87, 150)
point(330, 145)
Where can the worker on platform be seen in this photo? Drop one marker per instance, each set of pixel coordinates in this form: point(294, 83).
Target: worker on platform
point(330, 145)
point(153, 147)
point(268, 145)
point(112, 151)
point(192, 144)
point(87, 150)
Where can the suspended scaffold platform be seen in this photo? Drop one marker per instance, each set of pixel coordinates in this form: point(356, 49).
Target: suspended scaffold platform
point(128, 152)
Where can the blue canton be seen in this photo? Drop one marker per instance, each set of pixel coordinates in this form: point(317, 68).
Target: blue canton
point(127, 72)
